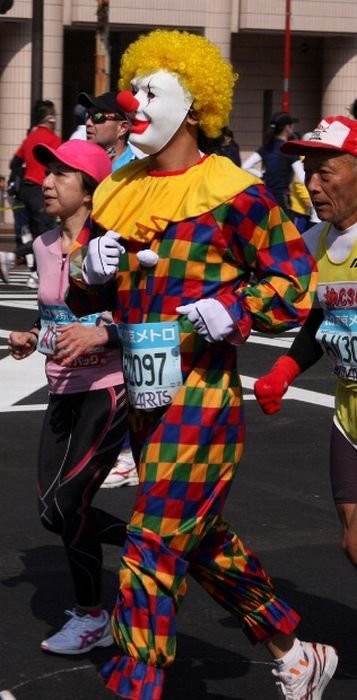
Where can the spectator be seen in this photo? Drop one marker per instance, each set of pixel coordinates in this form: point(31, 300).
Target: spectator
point(278, 169)
point(42, 131)
point(79, 116)
point(227, 146)
point(7, 259)
point(21, 217)
point(7, 262)
point(300, 202)
point(353, 109)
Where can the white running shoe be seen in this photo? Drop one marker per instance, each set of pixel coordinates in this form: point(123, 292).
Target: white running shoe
point(80, 634)
point(32, 280)
point(124, 473)
point(308, 678)
point(7, 262)
point(26, 235)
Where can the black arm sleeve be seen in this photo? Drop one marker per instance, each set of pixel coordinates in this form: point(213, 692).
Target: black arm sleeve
point(15, 165)
point(305, 349)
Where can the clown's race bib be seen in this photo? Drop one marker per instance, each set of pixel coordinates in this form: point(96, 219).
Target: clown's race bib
point(151, 363)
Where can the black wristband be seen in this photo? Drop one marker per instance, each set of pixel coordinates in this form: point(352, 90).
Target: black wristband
point(114, 339)
point(35, 334)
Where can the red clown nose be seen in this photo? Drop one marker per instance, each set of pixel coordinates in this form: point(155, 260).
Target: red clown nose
point(127, 102)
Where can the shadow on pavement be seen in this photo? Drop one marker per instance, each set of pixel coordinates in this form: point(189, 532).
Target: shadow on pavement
point(200, 666)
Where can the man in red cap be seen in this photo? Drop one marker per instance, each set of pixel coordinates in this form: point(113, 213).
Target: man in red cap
point(331, 177)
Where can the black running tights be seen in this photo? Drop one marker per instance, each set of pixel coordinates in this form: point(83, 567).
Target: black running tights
point(81, 437)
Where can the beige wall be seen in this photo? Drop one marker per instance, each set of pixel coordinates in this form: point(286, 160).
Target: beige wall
point(15, 88)
point(21, 9)
point(339, 77)
point(250, 32)
point(258, 59)
point(53, 55)
point(145, 12)
point(15, 68)
point(321, 16)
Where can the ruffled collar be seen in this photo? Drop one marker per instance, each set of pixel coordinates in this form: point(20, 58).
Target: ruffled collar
point(140, 204)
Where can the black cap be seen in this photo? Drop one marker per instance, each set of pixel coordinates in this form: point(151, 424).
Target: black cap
point(281, 119)
point(79, 112)
point(106, 102)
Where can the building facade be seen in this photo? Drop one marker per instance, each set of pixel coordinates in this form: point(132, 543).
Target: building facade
point(251, 33)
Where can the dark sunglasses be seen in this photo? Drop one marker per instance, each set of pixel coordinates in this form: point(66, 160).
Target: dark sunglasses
point(101, 117)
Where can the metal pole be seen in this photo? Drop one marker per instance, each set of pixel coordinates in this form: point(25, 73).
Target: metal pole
point(102, 61)
point(2, 199)
point(37, 51)
point(287, 52)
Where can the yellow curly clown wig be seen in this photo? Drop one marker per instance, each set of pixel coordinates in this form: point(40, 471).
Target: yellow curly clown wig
point(199, 65)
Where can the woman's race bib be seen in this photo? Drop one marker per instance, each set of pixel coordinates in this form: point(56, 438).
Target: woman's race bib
point(53, 317)
point(151, 363)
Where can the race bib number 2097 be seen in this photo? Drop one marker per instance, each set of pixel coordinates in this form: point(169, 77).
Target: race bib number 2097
point(151, 363)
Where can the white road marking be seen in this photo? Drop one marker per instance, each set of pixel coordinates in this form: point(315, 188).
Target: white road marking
point(304, 395)
point(273, 342)
point(20, 304)
point(20, 379)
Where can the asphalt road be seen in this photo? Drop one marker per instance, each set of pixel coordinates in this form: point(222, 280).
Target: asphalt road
point(280, 505)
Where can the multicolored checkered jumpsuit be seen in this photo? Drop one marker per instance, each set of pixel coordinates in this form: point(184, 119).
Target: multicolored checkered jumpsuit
point(246, 254)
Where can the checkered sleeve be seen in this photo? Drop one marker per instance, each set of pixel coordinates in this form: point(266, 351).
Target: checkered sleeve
point(81, 298)
point(283, 274)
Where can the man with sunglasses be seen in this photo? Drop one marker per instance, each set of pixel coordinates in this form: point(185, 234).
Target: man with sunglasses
point(107, 126)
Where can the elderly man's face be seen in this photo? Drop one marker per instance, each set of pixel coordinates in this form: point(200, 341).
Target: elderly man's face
point(332, 183)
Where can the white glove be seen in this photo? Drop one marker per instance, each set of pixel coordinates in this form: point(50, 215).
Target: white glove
point(102, 259)
point(210, 319)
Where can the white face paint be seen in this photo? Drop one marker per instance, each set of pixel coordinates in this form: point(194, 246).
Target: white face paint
point(163, 106)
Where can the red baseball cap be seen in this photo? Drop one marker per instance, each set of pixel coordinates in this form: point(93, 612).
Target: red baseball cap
point(331, 134)
point(78, 154)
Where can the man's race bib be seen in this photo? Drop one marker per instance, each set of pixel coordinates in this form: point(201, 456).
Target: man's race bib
point(52, 318)
point(151, 363)
point(338, 338)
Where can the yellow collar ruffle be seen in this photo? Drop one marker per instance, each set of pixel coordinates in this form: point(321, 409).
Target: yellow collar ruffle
point(139, 205)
